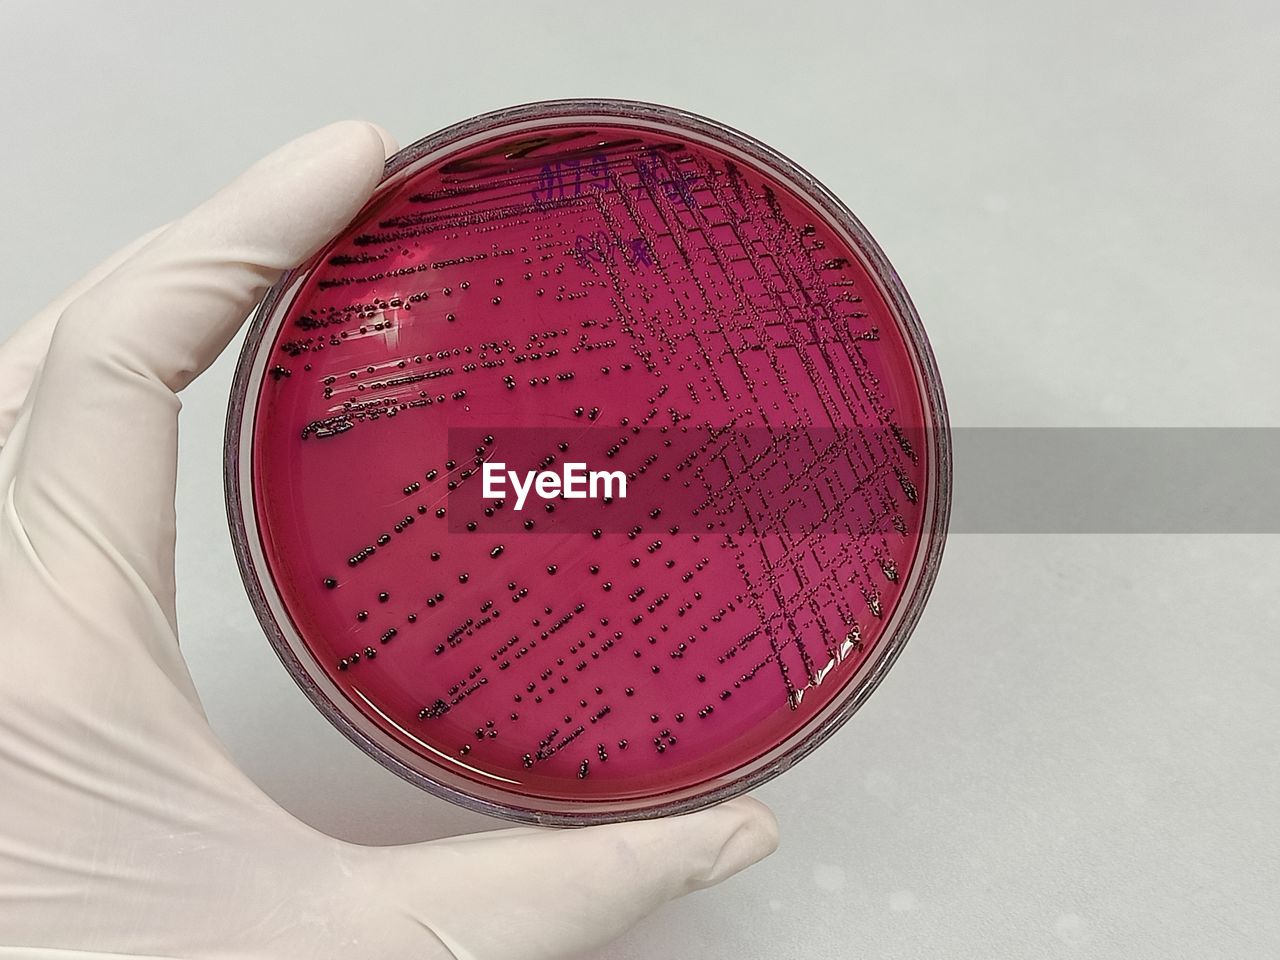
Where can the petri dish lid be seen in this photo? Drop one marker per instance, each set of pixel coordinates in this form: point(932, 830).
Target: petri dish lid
point(599, 469)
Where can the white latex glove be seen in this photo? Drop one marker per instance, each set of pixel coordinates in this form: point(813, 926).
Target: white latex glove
point(125, 827)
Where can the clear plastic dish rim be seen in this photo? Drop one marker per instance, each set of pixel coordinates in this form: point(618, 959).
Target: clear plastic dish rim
point(310, 676)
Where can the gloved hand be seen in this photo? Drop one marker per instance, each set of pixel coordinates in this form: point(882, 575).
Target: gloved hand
point(125, 828)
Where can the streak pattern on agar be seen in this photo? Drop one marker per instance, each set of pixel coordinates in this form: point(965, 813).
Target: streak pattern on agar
point(622, 297)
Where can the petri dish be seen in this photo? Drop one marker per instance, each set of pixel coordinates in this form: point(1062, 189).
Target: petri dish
point(598, 470)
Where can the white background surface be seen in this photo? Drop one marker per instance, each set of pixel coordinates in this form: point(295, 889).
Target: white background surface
point(1079, 753)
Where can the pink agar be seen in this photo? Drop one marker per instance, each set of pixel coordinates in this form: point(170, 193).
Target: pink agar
point(620, 297)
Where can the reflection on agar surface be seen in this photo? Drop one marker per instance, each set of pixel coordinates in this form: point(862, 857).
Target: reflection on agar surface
point(620, 297)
